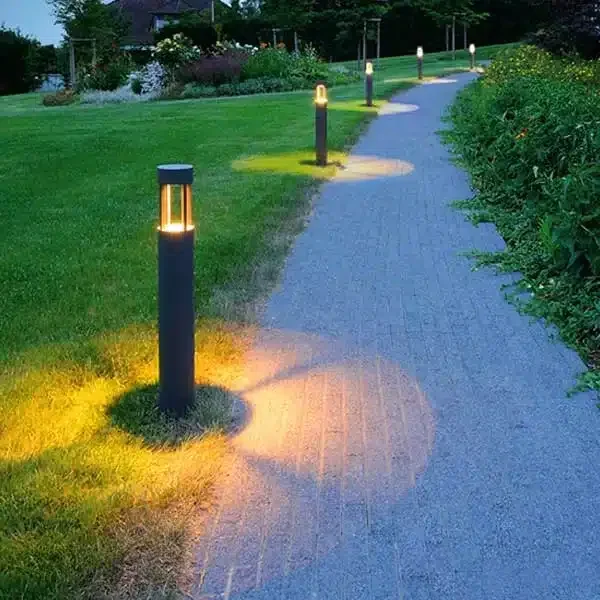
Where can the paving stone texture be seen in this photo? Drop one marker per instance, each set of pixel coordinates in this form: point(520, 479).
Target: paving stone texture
point(409, 434)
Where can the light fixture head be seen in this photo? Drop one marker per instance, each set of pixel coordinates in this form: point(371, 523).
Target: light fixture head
point(420, 52)
point(369, 68)
point(321, 95)
point(472, 48)
point(171, 177)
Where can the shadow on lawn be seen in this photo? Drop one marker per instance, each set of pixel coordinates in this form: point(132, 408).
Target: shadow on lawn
point(137, 412)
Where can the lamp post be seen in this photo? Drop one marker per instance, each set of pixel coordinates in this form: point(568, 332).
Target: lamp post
point(420, 62)
point(321, 125)
point(472, 52)
point(369, 84)
point(176, 290)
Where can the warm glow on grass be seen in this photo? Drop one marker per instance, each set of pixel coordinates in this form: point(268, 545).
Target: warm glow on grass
point(68, 456)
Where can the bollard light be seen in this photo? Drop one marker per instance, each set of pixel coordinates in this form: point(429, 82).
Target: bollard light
point(176, 289)
point(321, 124)
point(472, 52)
point(420, 62)
point(369, 83)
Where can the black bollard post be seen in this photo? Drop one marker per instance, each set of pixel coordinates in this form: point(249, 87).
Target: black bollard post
point(369, 84)
point(176, 291)
point(321, 125)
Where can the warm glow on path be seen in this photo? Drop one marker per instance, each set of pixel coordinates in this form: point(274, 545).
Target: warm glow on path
point(329, 432)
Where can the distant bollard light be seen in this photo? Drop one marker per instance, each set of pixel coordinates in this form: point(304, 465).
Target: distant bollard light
point(321, 125)
point(176, 289)
point(369, 83)
point(420, 62)
point(472, 52)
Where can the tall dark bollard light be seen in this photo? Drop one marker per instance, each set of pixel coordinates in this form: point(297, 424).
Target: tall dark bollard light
point(176, 290)
point(369, 83)
point(472, 53)
point(420, 62)
point(321, 125)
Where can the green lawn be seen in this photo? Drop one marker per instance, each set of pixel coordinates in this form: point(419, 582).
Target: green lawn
point(91, 505)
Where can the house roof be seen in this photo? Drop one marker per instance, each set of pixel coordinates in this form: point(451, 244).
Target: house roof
point(140, 14)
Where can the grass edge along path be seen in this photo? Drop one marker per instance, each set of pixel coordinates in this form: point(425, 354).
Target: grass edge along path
point(100, 496)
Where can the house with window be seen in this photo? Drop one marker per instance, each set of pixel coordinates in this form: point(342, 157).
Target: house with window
point(148, 16)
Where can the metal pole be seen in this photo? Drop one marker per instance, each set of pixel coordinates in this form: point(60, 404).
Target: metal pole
point(274, 38)
point(369, 89)
point(420, 68)
point(465, 35)
point(176, 297)
point(321, 134)
point(472, 61)
point(72, 65)
point(296, 43)
point(447, 37)
point(212, 12)
point(94, 54)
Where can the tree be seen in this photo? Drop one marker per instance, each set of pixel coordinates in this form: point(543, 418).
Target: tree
point(448, 12)
point(20, 67)
point(91, 19)
point(288, 14)
point(574, 26)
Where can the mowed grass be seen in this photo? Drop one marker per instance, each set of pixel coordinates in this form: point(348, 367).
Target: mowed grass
point(100, 496)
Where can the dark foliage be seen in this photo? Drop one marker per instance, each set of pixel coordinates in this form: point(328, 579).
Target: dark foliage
point(215, 70)
point(193, 27)
point(19, 67)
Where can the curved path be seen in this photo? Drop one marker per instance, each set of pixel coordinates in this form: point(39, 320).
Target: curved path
point(410, 436)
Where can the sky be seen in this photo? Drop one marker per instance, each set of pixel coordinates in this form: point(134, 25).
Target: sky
point(32, 17)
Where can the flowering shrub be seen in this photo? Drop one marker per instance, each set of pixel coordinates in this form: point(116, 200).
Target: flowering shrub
point(153, 77)
point(228, 46)
point(530, 61)
point(174, 52)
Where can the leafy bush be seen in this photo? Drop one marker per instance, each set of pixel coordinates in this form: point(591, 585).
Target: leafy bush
point(252, 86)
point(61, 98)
point(110, 75)
point(137, 86)
point(174, 52)
point(528, 133)
point(215, 70)
point(267, 62)
point(229, 89)
point(193, 90)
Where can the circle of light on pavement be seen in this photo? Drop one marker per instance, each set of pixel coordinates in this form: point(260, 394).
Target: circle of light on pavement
point(362, 168)
point(397, 108)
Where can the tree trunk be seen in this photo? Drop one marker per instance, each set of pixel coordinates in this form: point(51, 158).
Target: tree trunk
point(296, 43)
point(453, 38)
point(378, 42)
point(274, 39)
point(358, 56)
point(72, 68)
point(465, 35)
point(447, 38)
point(364, 56)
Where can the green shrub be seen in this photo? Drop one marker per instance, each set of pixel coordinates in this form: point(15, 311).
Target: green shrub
point(61, 98)
point(136, 86)
point(192, 90)
point(267, 62)
point(252, 86)
point(229, 89)
point(528, 133)
point(107, 76)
